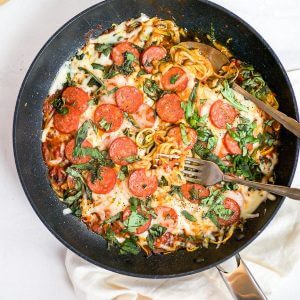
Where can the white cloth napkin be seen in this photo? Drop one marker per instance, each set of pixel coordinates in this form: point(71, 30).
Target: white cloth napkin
point(272, 258)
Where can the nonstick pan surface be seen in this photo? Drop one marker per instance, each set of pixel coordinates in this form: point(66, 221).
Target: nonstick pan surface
point(196, 16)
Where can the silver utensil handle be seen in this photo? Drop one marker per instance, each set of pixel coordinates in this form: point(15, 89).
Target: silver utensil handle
point(289, 123)
point(241, 282)
point(292, 193)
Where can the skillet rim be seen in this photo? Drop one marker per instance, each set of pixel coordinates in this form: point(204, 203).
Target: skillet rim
point(128, 273)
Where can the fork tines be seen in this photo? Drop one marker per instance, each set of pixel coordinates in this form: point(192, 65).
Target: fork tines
point(193, 169)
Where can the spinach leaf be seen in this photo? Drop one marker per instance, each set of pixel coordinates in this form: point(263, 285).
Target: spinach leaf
point(132, 158)
point(152, 89)
point(110, 236)
point(254, 84)
point(176, 189)
point(163, 181)
point(155, 232)
point(214, 203)
point(103, 48)
point(193, 94)
point(110, 72)
point(104, 124)
point(140, 73)
point(97, 66)
point(188, 216)
point(134, 221)
point(93, 101)
point(131, 120)
point(174, 78)
point(184, 135)
point(81, 136)
point(79, 56)
point(93, 76)
point(194, 194)
point(134, 203)
point(228, 94)
point(123, 173)
point(112, 91)
point(59, 106)
point(79, 178)
point(245, 166)
point(130, 247)
point(113, 218)
point(205, 153)
point(127, 67)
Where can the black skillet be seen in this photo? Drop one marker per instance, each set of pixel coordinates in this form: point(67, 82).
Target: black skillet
point(197, 17)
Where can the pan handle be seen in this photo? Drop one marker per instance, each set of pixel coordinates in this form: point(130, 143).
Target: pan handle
point(241, 282)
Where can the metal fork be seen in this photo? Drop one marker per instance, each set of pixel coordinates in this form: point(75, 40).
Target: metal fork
point(208, 173)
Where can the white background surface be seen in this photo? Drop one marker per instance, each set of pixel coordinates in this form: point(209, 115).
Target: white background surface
point(31, 259)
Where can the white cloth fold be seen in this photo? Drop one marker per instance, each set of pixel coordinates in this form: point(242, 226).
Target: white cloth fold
point(272, 258)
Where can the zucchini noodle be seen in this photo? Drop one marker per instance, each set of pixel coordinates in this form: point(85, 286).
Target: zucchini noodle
point(144, 139)
point(191, 59)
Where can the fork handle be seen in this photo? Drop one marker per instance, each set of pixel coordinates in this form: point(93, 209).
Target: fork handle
point(289, 123)
point(292, 193)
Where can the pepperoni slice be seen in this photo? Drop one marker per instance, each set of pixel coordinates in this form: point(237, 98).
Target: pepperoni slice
point(141, 185)
point(231, 145)
point(105, 184)
point(221, 114)
point(76, 98)
point(150, 54)
point(129, 99)
point(175, 132)
point(80, 159)
point(117, 53)
point(111, 114)
point(127, 212)
point(166, 216)
point(175, 79)
point(144, 117)
point(67, 123)
point(122, 148)
point(236, 211)
point(169, 108)
point(194, 192)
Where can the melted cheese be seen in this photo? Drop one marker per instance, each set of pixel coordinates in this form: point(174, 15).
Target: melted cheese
point(117, 199)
